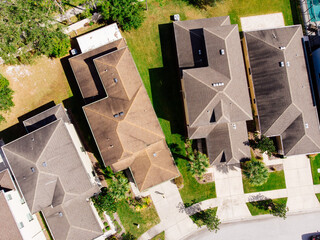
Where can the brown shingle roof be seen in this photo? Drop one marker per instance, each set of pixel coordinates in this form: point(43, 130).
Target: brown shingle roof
point(8, 229)
point(214, 86)
point(6, 183)
point(48, 169)
point(124, 123)
point(283, 95)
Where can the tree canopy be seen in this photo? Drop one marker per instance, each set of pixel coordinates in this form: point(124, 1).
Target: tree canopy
point(256, 172)
point(127, 13)
point(27, 29)
point(265, 144)
point(5, 96)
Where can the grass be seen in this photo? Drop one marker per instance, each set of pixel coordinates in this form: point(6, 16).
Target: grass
point(315, 164)
point(318, 196)
point(275, 181)
point(194, 192)
point(146, 218)
point(160, 236)
point(260, 207)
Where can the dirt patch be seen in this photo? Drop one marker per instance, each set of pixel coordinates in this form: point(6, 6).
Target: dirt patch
point(275, 168)
point(34, 85)
point(208, 177)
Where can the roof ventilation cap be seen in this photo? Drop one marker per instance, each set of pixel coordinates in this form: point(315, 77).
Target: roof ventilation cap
point(115, 80)
point(221, 51)
point(307, 125)
point(199, 52)
point(44, 164)
point(154, 154)
point(121, 113)
point(234, 126)
point(288, 64)
point(282, 48)
point(60, 214)
point(281, 64)
point(32, 169)
point(116, 115)
point(218, 84)
point(274, 36)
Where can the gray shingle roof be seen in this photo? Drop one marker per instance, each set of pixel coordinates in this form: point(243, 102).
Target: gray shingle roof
point(52, 177)
point(215, 88)
point(283, 95)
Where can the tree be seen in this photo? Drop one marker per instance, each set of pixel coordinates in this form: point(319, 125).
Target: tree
point(279, 209)
point(27, 29)
point(6, 97)
point(127, 13)
point(199, 163)
point(265, 144)
point(128, 236)
point(256, 172)
point(208, 218)
point(104, 202)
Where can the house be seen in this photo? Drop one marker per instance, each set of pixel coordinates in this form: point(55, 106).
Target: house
point(214, 87)
point(55, 175)
point(16, 221)
point(120, 115)
point(281, 90)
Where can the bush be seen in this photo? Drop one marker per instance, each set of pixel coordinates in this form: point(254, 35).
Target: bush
point(104, 202)
point(208, 218)
point(256, 172)
point(265, 144)
point(179, 182)
point(6, 97)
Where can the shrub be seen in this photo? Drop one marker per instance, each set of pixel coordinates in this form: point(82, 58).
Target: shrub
point(104, 202)
point(265, 144)
point(208, 218)
point(179, 182)
point(256, 172)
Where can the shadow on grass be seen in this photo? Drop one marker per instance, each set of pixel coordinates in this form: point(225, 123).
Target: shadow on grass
point(296, 12)
point(74, 106)
point(165, 83)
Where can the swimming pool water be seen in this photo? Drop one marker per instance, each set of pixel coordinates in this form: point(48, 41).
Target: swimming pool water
point(315, 11)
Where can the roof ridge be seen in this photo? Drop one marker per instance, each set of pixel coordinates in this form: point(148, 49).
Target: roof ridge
point(261, 40)
point(231, 144)
point(284, 112)
point(227, 17)
point(152, 164)
point(237, 105)
point(304, 136)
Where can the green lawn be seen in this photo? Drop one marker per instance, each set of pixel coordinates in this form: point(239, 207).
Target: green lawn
point(194, 192)
point(160, 236)
point(315, 164)
point(146, 218)
point(318, 196)
point(275, 181)
point(260, 207)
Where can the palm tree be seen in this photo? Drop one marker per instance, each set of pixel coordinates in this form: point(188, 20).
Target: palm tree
point(256, 172)
point(199, 163)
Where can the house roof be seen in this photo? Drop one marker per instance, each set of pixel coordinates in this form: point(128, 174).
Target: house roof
point(45, 117)
point(189, 40)
point(8, 229)
point(283, 94)
point(211, 86)
point(51, 176)
point(86, 74)
point(6, 183)
point(123, 122)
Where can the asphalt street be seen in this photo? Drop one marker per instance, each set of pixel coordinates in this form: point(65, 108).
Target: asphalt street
point(294, 227)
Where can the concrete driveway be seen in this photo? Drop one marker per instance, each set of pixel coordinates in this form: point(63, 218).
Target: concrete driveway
point(301, 192)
